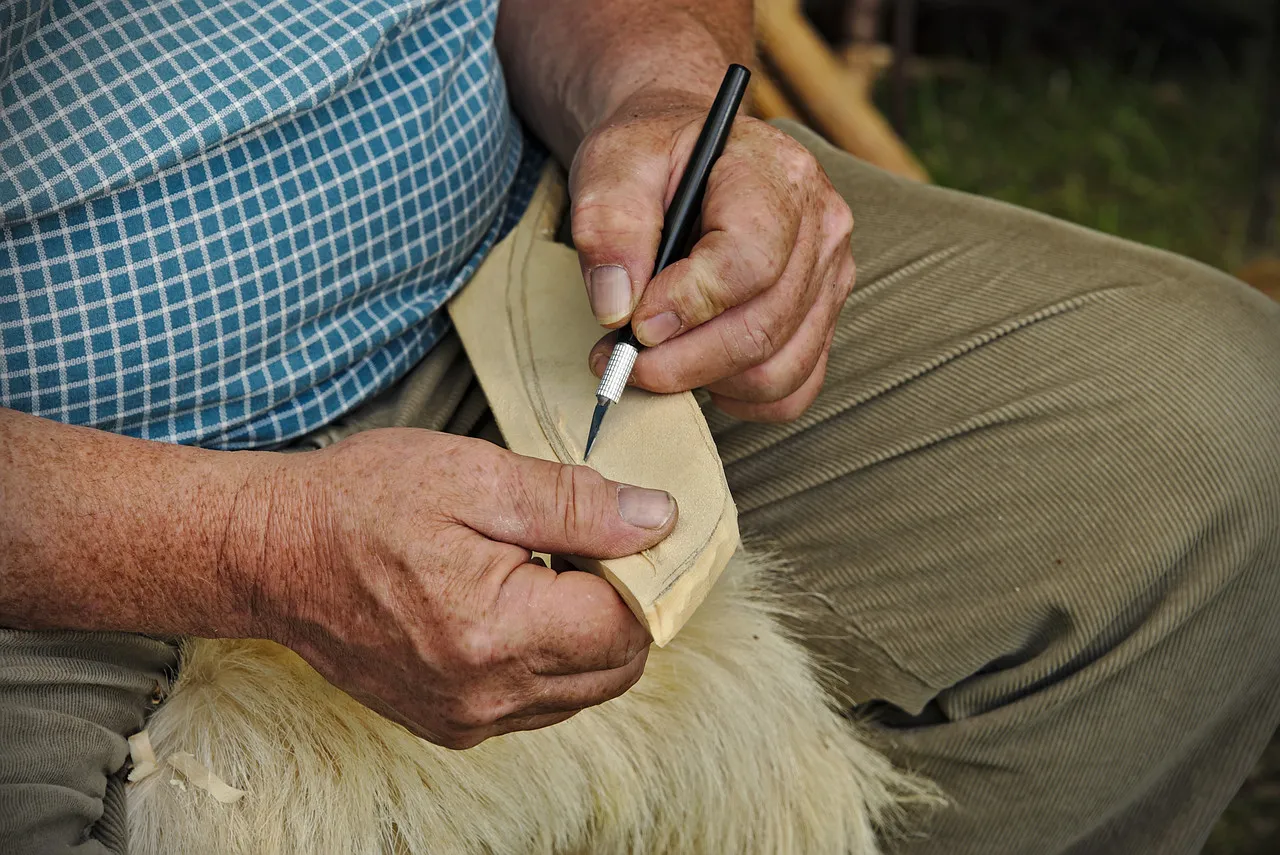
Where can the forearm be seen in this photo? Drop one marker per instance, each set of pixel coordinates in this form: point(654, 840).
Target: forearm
point(99, 531)
point(572, 63)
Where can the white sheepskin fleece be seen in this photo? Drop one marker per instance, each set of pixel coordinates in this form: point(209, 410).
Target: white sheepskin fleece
point(726, 745)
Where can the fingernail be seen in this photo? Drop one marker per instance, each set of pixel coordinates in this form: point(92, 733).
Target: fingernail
point(658, 329)
point(598, 362)
point(610, 293)
point(645, 508)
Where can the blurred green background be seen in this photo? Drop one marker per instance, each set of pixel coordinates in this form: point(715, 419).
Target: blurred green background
point(1167, 161)
point(1135, 117)
point(1140, 119)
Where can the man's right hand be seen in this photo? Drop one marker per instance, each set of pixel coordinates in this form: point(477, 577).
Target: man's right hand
point(415, 592)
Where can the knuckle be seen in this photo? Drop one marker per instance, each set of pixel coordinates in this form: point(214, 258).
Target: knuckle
point(843, 288)
point(637, 655)
point(598, 223)
point(773, 380)
point(771, 263)
point(798, 165)
point(598, 147)
point(763, 256)
point(839, 220)
point(638, 645)
point(567, 484)
point(577, 488)
point(761, 237)
point(704, 296)
point(470, 716)
point(839, 281)
point(475, 649)
point(752, 344)
point(473, 470)
point(621, 650)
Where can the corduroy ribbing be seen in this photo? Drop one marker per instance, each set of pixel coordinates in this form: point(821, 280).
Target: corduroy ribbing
point(67, 702)
point(1039, 501)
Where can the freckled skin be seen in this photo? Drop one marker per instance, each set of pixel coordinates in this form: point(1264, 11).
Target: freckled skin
point(391, 561)
point(758, 297)
point(397, 561)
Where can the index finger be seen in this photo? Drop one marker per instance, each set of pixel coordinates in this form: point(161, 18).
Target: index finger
point(568, 623)
point(750, 225)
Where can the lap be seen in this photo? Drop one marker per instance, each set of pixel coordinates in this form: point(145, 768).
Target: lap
point(1034, 511)
point(1034, 504)
point(68, 700)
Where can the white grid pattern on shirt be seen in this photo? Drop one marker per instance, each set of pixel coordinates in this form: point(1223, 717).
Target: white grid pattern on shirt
point(352, 29)
point(283, 321)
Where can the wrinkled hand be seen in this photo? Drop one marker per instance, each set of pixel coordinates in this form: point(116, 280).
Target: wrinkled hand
point(751, 313)
point(417, 596)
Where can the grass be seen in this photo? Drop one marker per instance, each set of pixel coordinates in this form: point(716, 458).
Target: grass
point(1166, 162)
point(1251, 825)
point(1170, 163)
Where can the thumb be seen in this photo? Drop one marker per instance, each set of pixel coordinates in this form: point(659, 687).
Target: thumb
point(618, 188)
point(572, 510)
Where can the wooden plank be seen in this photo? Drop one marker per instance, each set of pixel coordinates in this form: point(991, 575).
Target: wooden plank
point(840, 106)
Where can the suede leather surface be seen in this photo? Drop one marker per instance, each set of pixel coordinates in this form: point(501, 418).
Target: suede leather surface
point(527, 330)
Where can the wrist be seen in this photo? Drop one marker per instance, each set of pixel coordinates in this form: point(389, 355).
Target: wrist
point(572, 65)
point(105, 532)
point(269, 557)
point(656, 81)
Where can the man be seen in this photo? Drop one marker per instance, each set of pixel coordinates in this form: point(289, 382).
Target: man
point(1039, 490)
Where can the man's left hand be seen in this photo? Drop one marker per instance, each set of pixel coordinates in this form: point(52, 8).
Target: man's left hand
point(751, 312)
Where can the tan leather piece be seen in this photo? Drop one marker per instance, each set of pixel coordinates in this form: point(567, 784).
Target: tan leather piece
point(527, 328)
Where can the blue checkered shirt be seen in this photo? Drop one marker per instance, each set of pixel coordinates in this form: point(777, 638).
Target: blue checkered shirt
point(228, 223)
